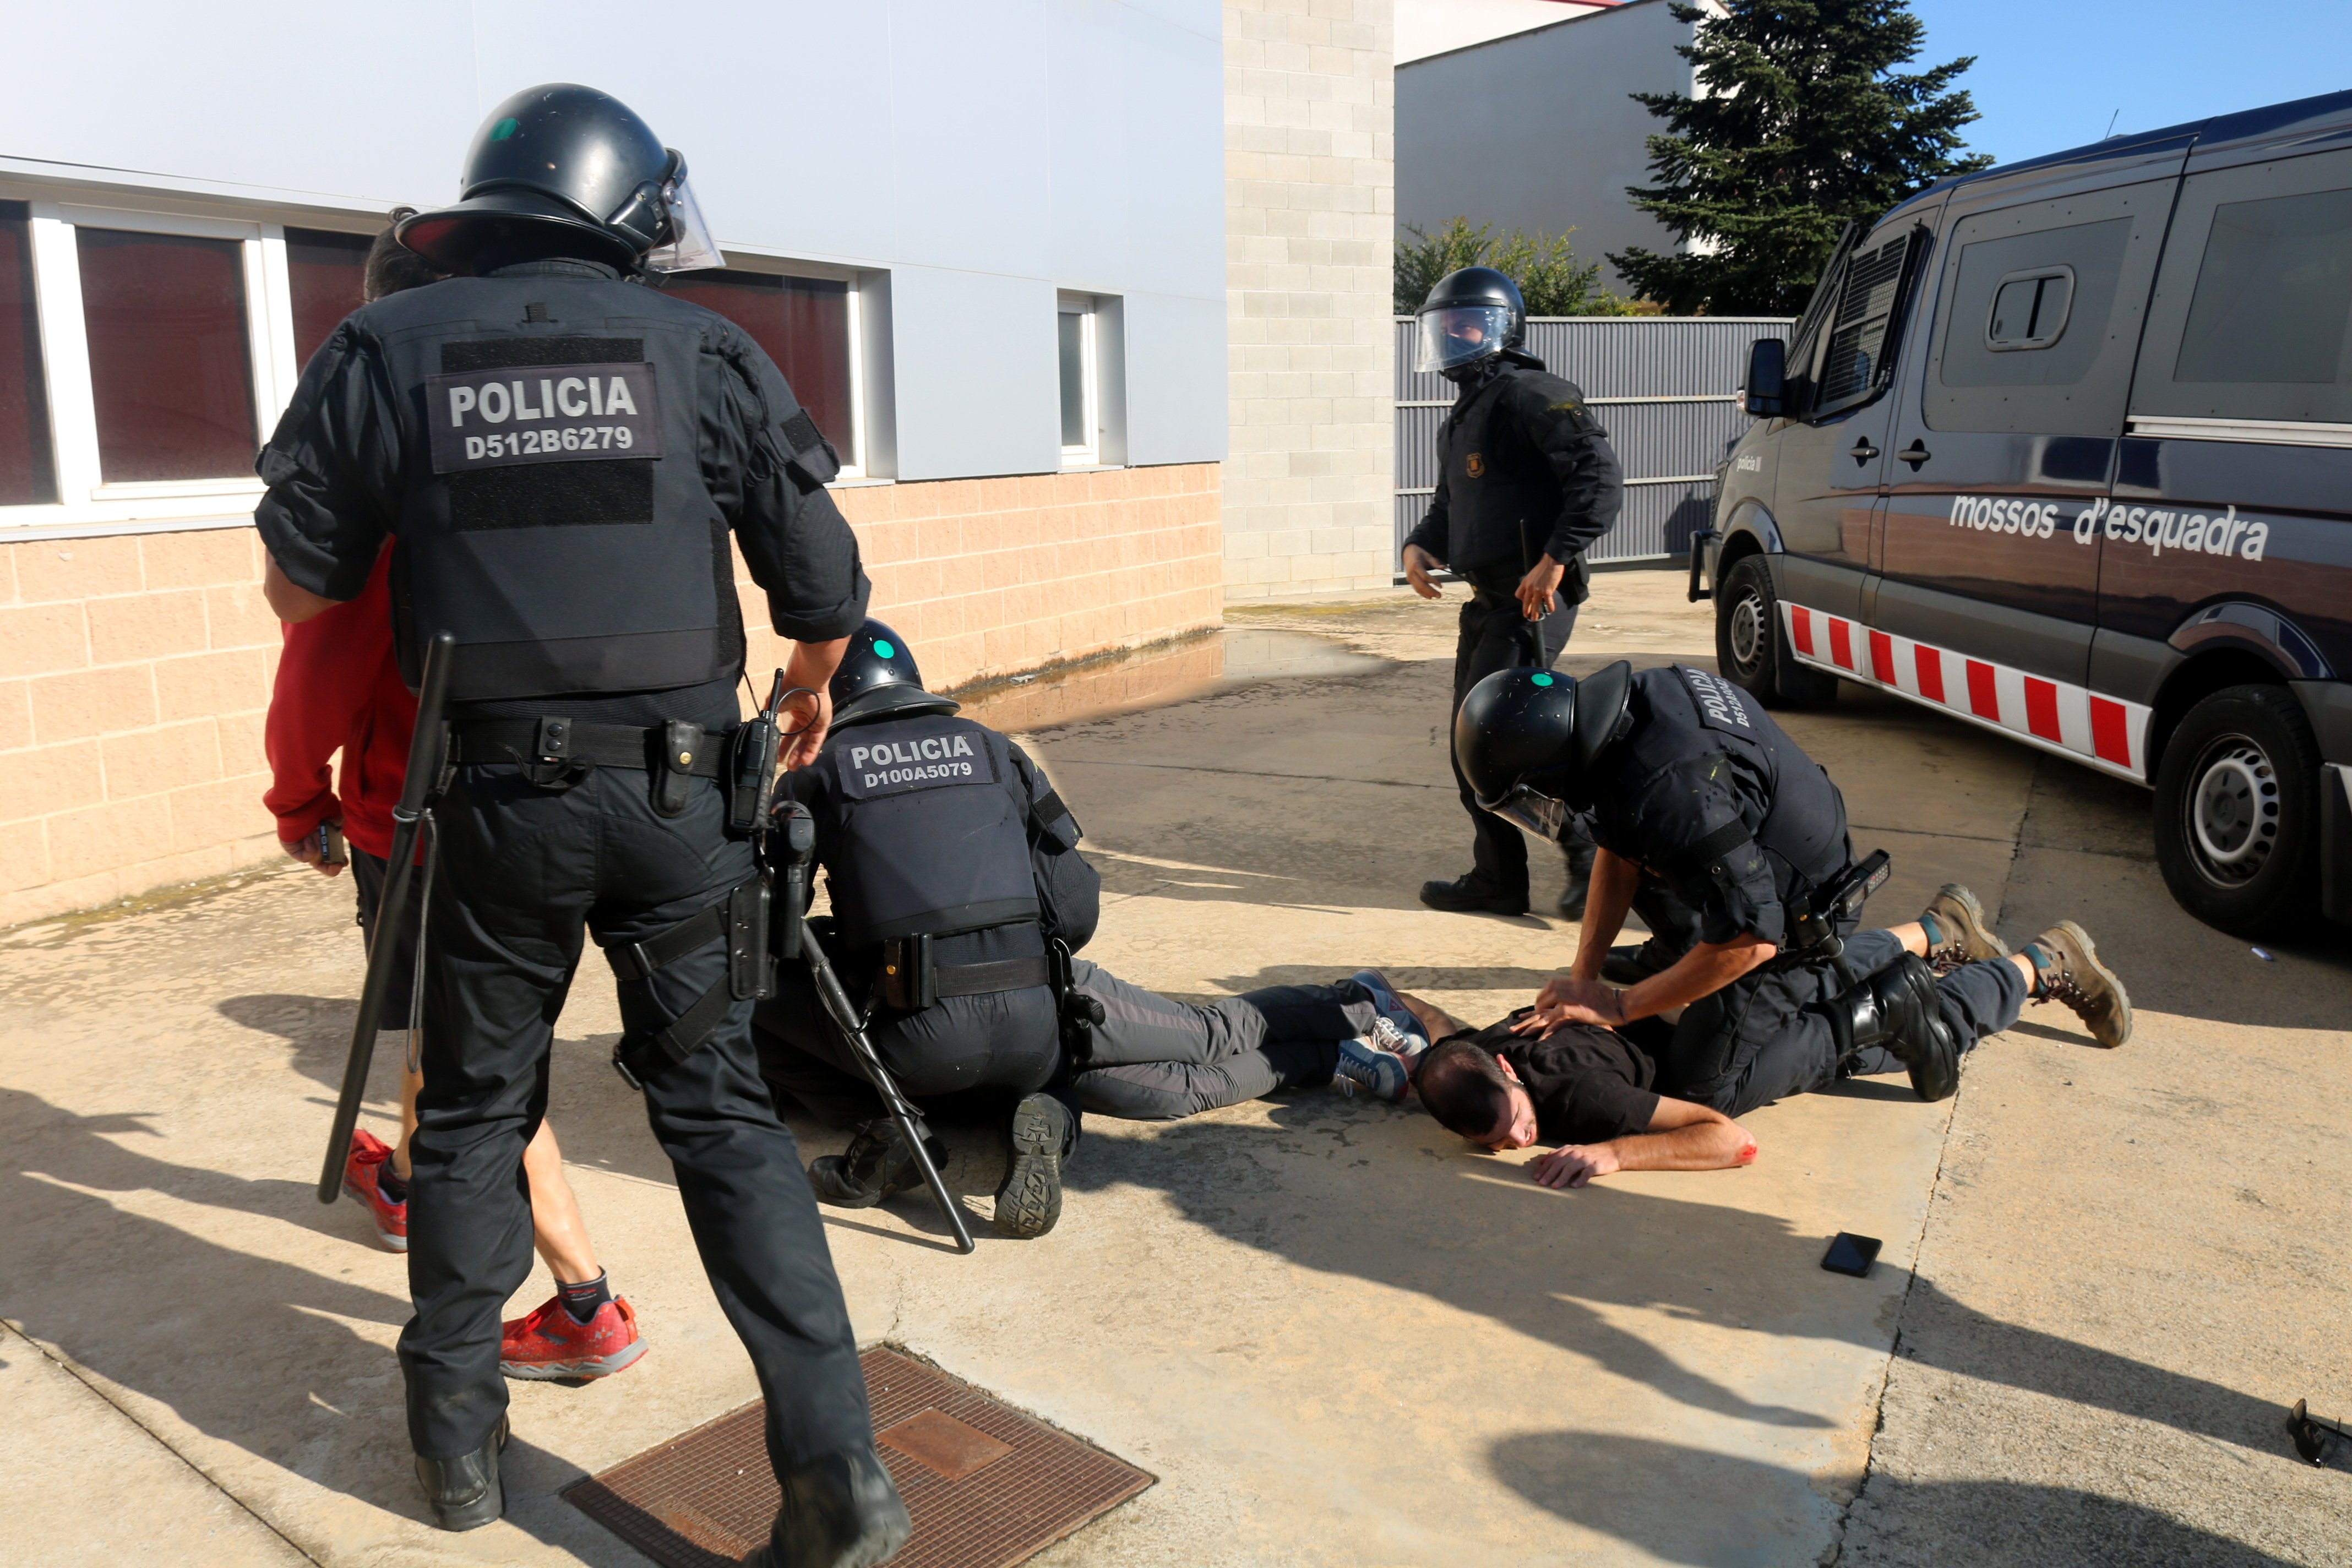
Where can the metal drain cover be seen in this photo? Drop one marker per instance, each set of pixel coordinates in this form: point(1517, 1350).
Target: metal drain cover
point(987, 1486)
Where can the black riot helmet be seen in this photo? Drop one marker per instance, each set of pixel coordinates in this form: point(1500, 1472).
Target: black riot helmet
point(564, 170)
point(1525, 740)
point(1469, 319)
point(877, 679)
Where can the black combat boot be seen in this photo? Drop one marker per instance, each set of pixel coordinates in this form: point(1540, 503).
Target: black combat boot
point(1897, 1009)
point(1467, 895)
point(1631, 965)
point(840, 1510)
point(465, 1491)
point(1039, 1136)
point(877, 1165)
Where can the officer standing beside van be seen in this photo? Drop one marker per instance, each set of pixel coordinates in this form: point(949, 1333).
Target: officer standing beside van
point(563, 455)
point(1526, 481)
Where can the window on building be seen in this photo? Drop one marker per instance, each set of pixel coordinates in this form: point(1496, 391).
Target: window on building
point(2273, 293)
point(27, 470)
point(806, 326)
point(327, 273)
point(1862, 331)
point(1081, 396)
point(171, 367)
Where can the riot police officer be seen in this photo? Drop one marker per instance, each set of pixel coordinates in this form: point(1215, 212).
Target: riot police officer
point(1526, 481)
point(951, 863)
point(1685, 776)
point(563, 453)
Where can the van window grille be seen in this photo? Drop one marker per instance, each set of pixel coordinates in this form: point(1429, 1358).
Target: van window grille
point(1865, 312)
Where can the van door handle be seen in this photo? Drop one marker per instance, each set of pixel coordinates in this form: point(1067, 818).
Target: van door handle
point(1915, 454)
point(1862, 451)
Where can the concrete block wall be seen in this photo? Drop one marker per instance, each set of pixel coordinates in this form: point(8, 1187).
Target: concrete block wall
point(1309, 234)
point(135, 670)
point(133, 676)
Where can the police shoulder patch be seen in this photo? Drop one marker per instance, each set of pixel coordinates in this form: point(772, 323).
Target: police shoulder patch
point(931, 757)
point(1721, 705)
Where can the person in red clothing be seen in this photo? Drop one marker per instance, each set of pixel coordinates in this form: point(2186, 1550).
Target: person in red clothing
point(339, 689)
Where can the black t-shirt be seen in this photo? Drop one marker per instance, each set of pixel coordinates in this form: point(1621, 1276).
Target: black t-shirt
point(1588, 1084)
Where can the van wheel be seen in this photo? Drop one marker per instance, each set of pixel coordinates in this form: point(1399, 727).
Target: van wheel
point(2237, 812)
point(1751, 649)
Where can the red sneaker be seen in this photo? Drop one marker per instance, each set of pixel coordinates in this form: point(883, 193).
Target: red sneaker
point(360, 1173)
point(550, 1343)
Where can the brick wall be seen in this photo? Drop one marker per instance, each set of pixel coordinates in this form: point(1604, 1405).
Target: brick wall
point(134, 671)
point(1309, 238)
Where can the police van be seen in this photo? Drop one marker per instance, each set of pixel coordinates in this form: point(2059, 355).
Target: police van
point(2064, 450)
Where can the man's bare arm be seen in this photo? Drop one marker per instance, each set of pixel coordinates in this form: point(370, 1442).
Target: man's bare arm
point(1702, 972)
point(1681, 1137)
point(1607, 896)
point(288, 601)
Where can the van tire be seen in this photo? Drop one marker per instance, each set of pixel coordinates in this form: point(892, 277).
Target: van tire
point(1751, 649)
point(2237, 812)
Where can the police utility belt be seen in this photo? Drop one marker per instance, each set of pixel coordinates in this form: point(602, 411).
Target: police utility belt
point(554, 750)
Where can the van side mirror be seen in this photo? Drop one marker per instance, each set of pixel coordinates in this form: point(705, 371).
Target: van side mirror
point(1767, 377)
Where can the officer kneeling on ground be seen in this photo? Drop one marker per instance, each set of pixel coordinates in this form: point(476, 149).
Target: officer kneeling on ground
point(1685, 776)
point(563, 454)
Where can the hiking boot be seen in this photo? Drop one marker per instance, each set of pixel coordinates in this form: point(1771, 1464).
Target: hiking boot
point(363, 1181)
point(1631, 965)
point(838, 1510)
point(1465, 895)
point(1897, 1009)
point(1029, 1199)
point(552, 1343)
point(1961, 934)
point(879, 1164)
point(465, 1492)
point(1366, 1067)
point(2066, 969)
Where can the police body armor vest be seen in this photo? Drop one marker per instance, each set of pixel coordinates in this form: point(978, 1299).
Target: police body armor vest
point(1502, 497)
point(1804, 827)
point(923, 830)
point(556, 516)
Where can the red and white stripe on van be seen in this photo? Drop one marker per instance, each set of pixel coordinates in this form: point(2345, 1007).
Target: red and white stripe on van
point(2074, 722)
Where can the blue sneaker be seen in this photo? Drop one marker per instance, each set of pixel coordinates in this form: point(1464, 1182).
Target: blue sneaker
point(1391, 1011)
point(1367, 1067)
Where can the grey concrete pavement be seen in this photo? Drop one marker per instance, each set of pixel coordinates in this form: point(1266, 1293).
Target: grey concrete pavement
point(1336, 1334)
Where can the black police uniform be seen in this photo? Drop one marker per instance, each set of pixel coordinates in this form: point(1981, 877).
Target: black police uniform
point(1524, 470)
point(933, 825)
point(563, 455)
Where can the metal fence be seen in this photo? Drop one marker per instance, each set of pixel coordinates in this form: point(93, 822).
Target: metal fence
point(1665, 387)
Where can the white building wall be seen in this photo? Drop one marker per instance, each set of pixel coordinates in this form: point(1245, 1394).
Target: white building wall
point(1309, 235)
point(990, 155)
point(1537, 130)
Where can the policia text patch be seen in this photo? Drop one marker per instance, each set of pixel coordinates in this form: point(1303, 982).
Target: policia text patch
point(542, 413)
point(915, 762)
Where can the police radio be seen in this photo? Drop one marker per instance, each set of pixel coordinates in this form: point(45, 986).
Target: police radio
point(758, 743)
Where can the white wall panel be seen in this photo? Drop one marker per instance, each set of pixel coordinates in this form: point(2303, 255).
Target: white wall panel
point(1175, 379)
point(979, 387)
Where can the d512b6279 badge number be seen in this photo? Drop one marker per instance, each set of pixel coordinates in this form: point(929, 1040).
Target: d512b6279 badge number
point(546, 413)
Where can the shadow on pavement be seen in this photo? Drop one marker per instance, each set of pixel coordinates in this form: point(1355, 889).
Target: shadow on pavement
point(1484, 1238)
point(247, 1349)
point(1606, 1482)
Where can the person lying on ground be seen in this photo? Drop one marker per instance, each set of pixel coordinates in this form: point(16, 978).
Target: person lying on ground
point(339, 689)
point(1611, 1096)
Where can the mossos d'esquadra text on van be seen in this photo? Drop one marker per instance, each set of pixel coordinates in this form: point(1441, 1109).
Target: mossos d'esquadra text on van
point(2158, 527)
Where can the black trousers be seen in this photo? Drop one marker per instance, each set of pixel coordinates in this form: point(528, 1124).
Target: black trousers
point(523, 871)
point(1155, 1059)
point(1496, 636)
point(1765, 1036)
point(367, 882)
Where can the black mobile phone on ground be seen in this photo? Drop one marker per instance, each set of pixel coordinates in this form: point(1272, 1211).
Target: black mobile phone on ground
point(1851, 1253)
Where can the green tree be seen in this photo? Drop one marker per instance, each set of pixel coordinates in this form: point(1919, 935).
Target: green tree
point(1542, 265)
point(1805, 124)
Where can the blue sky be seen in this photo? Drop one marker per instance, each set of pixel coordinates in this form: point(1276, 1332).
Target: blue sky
point(2049, 74)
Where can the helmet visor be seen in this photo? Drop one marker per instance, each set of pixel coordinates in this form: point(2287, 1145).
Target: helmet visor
point(1455, 335)
point(689, 245)
point(1525, 808)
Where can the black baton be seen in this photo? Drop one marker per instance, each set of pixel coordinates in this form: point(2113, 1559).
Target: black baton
point(798, 831)
point(415, 792)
